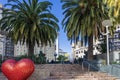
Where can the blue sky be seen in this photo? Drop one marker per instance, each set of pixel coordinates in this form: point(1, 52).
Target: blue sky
point(64, 44)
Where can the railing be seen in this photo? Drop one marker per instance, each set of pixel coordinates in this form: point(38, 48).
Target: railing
point(111, 69)
point(89, 66)
point(115, 70)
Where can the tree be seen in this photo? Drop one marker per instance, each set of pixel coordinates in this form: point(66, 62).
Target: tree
point(113, 13)
point(114, 10)
point(82, 18)
point(30, 22)
point(61, 58)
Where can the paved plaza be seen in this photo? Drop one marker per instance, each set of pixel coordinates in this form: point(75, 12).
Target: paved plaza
point(65, 72)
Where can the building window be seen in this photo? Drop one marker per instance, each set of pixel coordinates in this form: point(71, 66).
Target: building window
point(116, 36)
point(76, 52)
point(76, 56)
point(81, 51)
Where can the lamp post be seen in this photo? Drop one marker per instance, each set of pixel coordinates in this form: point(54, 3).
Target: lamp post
point(55, 54)
point(107, 23)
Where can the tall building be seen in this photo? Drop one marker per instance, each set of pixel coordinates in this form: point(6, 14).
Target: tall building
point(7, 46)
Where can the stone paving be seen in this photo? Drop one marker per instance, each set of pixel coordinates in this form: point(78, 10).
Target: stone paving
point(64, 72)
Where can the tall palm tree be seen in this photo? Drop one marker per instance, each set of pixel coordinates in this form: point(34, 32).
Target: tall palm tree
point(82, 19)
point(30, 21)
point(114, 10)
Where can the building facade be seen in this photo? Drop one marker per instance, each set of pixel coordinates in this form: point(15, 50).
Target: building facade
point(21, 49)
point(6, 45)
point(78, 50)
point(114, 45)
point(2, 44)
point(9, 47)
point(47, 50)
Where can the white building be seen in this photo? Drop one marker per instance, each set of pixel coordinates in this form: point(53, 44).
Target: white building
point(78, 50)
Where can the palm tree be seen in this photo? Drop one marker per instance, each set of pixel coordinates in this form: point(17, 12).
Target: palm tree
point(82, 19)
point(113, 12)
point(114, 8)
point(30, 22)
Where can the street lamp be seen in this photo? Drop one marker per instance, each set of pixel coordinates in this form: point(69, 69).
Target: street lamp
point(107, 23)
point(55, 54)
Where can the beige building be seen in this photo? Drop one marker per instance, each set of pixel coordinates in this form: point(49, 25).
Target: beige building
point(49, 51)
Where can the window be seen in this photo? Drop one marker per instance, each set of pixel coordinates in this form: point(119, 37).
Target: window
point(77, 56)
point(81, 51)
point(115, 36)
point(76, 52)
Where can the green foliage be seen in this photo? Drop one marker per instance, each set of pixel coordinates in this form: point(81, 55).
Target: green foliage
point(83, 17)
point(21, 57)
point(40, 58)
point(62, 58)
point(30, 22)
point(103, 47)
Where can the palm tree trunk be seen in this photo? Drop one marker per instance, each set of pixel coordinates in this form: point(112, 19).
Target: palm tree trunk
point(90, 48)
point(30, 50)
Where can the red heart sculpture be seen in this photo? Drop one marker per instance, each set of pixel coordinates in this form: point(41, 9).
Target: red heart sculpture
point(20, 70)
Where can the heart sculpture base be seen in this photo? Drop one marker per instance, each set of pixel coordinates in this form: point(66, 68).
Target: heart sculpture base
point(20, 70)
